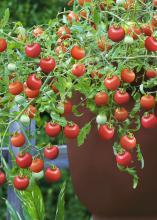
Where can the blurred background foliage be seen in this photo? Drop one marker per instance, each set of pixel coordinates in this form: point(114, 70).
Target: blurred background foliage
point(30, 13)
point(33, 12)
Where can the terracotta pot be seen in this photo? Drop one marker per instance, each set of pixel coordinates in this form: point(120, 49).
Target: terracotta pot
point(101, 187)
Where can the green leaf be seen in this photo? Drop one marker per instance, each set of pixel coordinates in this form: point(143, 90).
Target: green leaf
point(83, 133)
point(13, 214)
point(140, 156)
point(5, 18)
point(32, 200)
point(60, 204)
point(96, 16)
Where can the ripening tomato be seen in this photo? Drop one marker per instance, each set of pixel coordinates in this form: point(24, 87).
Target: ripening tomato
point(3, 44)
point(15, 88)
point(112, 82)
point(149, 120)
point(33, 50)
point(101, 98)
point(81, 2)
point(127, 75)
point(24, 160)
point(21, 182)
point(116, 34)
point(147, 102)
point(124, 159)
point(33, 82)
point(106, 132)
point(151, 44)
point(128, 142)
point(37, 165)
point(2, 178)
point(71, 130)
point(52, 129)
point(151, 73)
point(77, 52)
point(73, 17)
point(52, 175)
point(63, 32)
point(154, 20)
point(134, 32)
point(54, 88)
point(18, 139)
point(60, 49)
point(47, 65)
point(51, 152)
point(155, 3)
point(121, 97)
point(31, 93)
point(83, 14)
point(129, 4)
point(78, 70)
point(96, 74)
point(31, 111)
point(147, 29)
point(103, 46)
point(120, 114)
point(38, 31)
point(67, 107)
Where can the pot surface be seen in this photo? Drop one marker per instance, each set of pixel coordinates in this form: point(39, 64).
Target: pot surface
point(101, 187)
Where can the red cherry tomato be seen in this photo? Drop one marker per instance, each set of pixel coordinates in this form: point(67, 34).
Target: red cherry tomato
point(103, 46)
point(134, 32)
point(2, 178)
point(37, 165)
point(3, 44)
point(51, 152)
point(149, 120)
point(154, 20)
point(120, 114)
point(67, 107)
point(116, 34)
point(147, 102)
point(63, 32)
point(155, 3)
point(33, 50)
point(151, 44)
point(71, 131)
point(151, 73)
point(124, 159)
point(52, 129)
point(127, 75)
point(21, 183)
point(101, 98)
point(52, 175)
point(78, 70)
point(121, 97)
point(81, 2)
point(60, 49)
point(47, 65)
point(31, 93)
point(77, 52)
point(106, 132)
point(73, 17)
point(15, 88)
point(17, 140)
point(147, 29)
point(31, 111)
point(24, 160)
point(96, 74)
point(33, 82)
point(128, 142)
point(112, 83)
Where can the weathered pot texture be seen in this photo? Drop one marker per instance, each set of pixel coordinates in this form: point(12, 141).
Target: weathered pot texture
point(101, 187)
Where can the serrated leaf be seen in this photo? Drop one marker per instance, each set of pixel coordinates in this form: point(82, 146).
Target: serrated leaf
point(83, 133)
point(140, 156)
point(60, 204)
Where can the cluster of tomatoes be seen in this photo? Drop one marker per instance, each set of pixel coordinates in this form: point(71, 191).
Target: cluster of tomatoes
point(113, 95)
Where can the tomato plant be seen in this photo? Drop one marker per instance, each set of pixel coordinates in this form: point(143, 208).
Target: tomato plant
point(103, 51)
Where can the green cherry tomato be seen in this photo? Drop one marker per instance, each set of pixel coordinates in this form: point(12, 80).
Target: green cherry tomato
point(11, 67)
point(19, 99)
point(101, 119)
point(128, 40)
point(38, 176)
point(24, 119)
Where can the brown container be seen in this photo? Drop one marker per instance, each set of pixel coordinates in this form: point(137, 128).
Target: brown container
point(101, 187)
